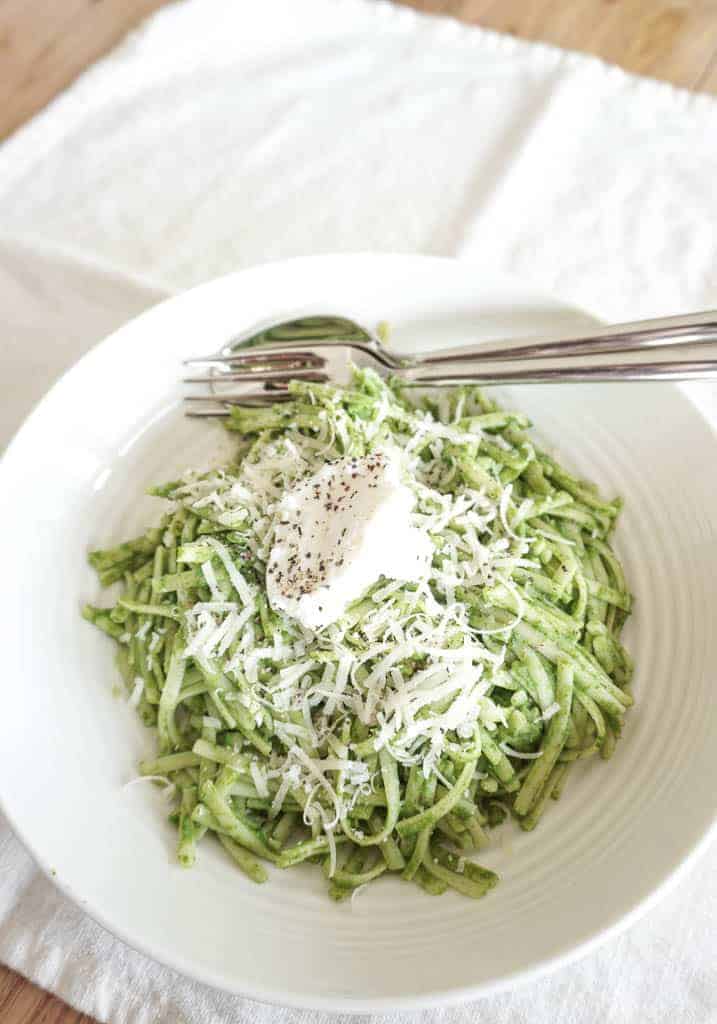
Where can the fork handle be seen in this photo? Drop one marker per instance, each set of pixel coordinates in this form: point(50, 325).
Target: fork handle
point(690, 329)
point(697, 361)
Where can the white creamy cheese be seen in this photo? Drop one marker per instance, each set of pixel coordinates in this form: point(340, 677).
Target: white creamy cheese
point(337, 532)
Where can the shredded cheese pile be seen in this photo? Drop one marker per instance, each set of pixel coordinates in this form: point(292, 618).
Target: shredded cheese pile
point(409, 665)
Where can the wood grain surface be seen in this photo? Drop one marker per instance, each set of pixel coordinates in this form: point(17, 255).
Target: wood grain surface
point(675, 40)
point(45, 44)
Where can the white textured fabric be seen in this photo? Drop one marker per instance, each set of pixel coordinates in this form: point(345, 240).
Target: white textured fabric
point(224, 134)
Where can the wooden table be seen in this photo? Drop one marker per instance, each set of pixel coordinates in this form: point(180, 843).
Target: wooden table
point(45, 45)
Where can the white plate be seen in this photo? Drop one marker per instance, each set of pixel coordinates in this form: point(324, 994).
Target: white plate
point(73, 479)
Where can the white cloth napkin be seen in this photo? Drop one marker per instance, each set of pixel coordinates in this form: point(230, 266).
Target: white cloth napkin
point(225, 134)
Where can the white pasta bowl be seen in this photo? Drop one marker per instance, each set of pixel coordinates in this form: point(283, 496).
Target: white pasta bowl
point(74, 478)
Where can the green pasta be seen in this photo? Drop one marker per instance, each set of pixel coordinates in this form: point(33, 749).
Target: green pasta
point(394, 740)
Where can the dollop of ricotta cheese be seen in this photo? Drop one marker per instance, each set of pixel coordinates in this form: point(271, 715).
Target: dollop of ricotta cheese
point(337, 532)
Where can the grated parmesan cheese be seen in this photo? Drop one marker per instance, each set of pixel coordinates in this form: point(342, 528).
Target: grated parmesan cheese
point(412, 667)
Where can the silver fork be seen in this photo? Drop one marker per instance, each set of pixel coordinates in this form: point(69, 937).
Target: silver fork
point(255, 367)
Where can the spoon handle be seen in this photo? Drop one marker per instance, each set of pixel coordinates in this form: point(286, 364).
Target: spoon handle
point(672, 331)
point(696, 361)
